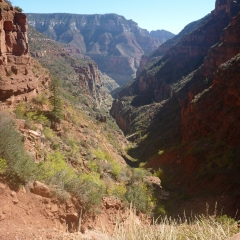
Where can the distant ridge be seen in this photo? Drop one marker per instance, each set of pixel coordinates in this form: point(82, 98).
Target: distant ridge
point(113, 42)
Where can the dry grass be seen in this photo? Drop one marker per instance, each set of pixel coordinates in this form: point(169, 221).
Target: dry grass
point(194, 228)
point(200, 228)
point(165, 228)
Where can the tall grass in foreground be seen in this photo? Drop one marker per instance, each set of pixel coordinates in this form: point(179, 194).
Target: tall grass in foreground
point(194, 228)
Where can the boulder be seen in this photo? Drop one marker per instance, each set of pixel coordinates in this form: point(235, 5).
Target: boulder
point(41, 189)
point(34, 134)
point(153, 180)
point(54, 208)
point(14, 194)
point(15, 201)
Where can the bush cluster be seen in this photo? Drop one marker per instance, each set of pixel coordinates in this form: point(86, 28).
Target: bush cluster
point(18, 166)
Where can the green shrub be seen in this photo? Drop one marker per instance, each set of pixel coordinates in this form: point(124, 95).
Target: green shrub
point(117, 190)
point(20, 167)
point(40, 99)
point(92, 165)
point(141, 197)
point(3, 166)
point(17, 8)
point(49, 133)
point(62, 177)
point(37, 117)
point(89, 188)
point(20, 110)
point(159, 173)
point(138, 174)
point(116, 169)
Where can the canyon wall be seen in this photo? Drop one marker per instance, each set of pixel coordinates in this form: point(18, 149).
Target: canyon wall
point(162, 79)
point(114, 43)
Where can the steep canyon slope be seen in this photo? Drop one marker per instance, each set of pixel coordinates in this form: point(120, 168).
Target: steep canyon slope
point(185, 107)
point(114, 43)
point(43, 159)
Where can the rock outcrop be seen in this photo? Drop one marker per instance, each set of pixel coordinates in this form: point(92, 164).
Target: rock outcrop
point(18, 80)
point(114, 43)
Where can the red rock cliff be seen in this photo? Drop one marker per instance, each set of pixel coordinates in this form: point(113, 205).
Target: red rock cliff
point(216, 106)
point(18, 81)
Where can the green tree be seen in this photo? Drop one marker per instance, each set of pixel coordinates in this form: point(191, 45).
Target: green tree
point(55, 100)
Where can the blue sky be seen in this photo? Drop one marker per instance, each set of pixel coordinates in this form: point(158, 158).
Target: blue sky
point(171, 15)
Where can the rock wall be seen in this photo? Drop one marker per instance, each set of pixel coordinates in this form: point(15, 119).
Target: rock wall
point(90, 81)
point(206, 109)
point(215, 112)
point(17, 79)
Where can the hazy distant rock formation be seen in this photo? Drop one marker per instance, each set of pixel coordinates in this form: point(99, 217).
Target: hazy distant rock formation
point(114, 43)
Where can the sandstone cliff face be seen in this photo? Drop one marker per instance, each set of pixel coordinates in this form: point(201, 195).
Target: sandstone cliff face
point(114, 43)
point(18, 81)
